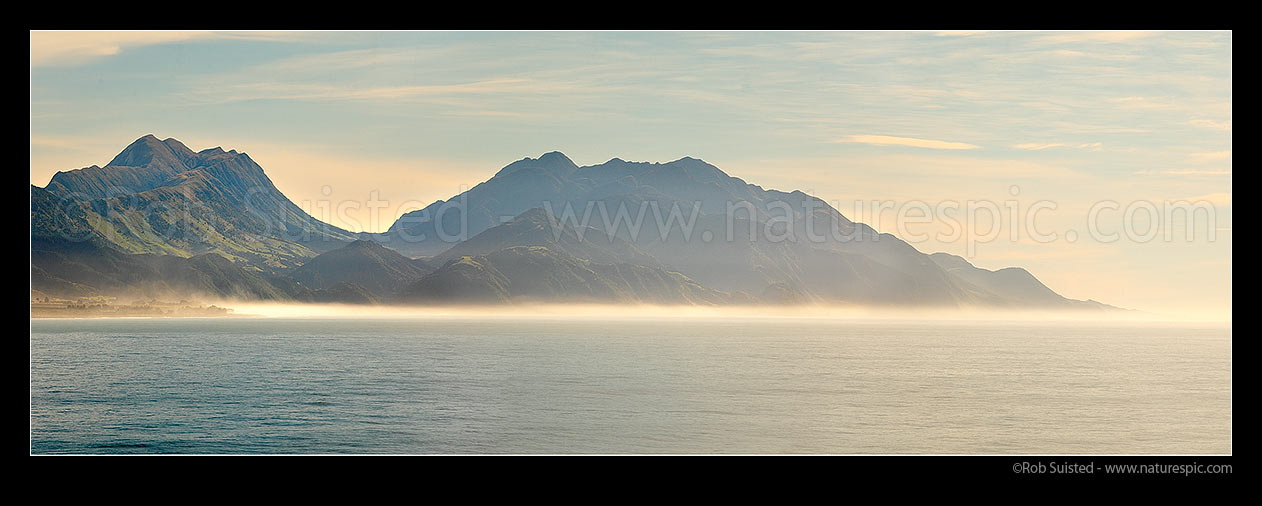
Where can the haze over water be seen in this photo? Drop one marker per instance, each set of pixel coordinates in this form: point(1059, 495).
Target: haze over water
point(469, 384)
point(631, 242)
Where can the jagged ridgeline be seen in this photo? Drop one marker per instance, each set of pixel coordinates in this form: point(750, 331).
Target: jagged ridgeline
point(158, 196)
point(161, 219)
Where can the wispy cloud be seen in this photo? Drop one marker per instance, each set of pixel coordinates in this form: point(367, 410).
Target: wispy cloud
point(75, 47)
point(959, 33)
point(1211, 124)
point(54, 142)
point(1211, 156)
point(339, 61)
point(1218, 199)
point(1093, 146)
point(1066, 53)
point(1082, 128)
point(52, 48)
point(1152, 103)
point(1116, 36)
point(886, 140)
point(1185, 172)
point(318, 92)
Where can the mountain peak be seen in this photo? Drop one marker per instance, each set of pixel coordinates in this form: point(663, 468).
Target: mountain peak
point(145, 151)
point(552, 161)
point(178, 148)
point(689, 161)
point(556, 160)
point(554, 156)
point(698, 169)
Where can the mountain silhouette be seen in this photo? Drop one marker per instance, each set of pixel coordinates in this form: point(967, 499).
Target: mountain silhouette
point(161, 217)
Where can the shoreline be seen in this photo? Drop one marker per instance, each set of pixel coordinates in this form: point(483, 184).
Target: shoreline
point(136, 317)
point(42, 309)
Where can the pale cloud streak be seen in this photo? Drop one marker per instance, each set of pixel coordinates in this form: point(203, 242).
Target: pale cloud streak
point(1221, 199)
point(57, 47)
point(1211, 124)
point(60, 48)
point(315, 92)
point(1185, 172)
point(959, 33)
point(886, 140)
point(1092, 146)
point(1106, 37)
point(1212, 156)
point(323, 63)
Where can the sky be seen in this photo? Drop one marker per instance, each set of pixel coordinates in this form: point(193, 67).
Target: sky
point(1082, 144)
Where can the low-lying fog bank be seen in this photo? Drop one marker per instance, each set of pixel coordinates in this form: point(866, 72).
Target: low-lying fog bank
point(559, 311)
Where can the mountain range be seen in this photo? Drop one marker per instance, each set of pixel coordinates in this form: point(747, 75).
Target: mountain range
point(162, 220)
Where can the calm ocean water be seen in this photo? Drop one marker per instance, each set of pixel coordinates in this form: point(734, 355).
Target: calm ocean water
point(443, 385)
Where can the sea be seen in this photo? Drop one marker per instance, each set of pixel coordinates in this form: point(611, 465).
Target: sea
point(653, 385)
